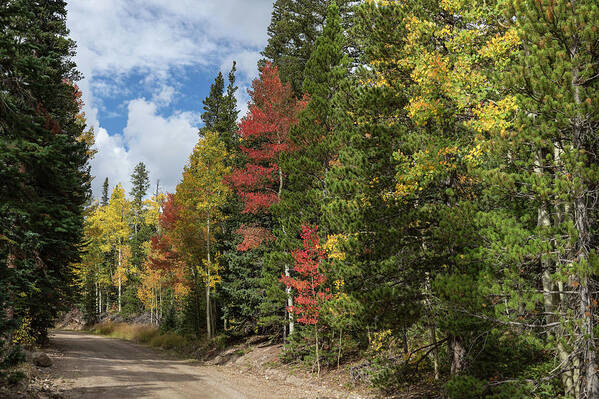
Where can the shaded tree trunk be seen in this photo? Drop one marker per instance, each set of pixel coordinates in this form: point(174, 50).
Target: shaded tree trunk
point(457, 354)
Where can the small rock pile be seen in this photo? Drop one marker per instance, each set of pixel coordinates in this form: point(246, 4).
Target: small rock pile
point(73, 320)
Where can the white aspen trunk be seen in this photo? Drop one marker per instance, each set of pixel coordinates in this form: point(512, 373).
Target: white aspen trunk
point(120, 271)
point(291, 327)
point(152, 306)
point(96, 307)
point(119, 293)
point(432, 326)
point(433, 331)
point(208, 310)
point(317, 350)
point(339, 351)
point(289, 302)
point(107, 296)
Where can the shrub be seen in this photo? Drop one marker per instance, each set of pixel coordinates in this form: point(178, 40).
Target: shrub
point(145, 334)
point(465, 387)
point(24, 334)
point(105, 328)
point(169, 341)
point(169, 322)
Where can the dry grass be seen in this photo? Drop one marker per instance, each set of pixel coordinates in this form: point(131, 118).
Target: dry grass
point(144, 335)
point(170, 341)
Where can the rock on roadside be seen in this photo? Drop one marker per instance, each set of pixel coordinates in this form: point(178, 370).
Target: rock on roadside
point(41, 359)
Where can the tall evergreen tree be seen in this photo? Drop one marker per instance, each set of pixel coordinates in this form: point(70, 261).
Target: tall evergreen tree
point(543, 229)
point(141, 233)
point(105, 193)
point(213, 103)
point(370, 120)
point(293, 30)
point(141, 184)
point(220, 110)
point(43, 166)
point(226, 123)
point(306, 166)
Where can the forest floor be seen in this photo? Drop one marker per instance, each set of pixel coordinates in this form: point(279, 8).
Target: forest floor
point(91, 366)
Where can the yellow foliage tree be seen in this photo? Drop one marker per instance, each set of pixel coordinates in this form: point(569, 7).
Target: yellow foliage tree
point(202, 193)
point(112, 221)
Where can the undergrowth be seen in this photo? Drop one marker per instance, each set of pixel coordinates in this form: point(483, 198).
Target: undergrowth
point(147, 335)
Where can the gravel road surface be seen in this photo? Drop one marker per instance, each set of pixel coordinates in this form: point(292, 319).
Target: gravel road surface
point(97, 367)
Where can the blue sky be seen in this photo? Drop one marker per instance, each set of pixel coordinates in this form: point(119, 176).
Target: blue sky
point(147, 66)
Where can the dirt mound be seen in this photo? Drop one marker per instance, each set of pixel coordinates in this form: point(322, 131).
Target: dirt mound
point(73, 320)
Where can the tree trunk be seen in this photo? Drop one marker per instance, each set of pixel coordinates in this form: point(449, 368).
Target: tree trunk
point(340, 344)
point(289, 302)
point(457, 353)
point(10, 311)
point(119, 293)
point(120, 271)
point(291, 326)
point(208, 310)
point(433, 331)
point(317, 350)
point(588, 381)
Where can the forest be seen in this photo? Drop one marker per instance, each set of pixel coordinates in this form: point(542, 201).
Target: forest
point(414, 186)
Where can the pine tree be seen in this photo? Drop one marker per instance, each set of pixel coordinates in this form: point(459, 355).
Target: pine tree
point(45, 179)
point(294, 28)
point(306, 167)
point(105, 189)
point(435, 157)
point(213, 103)
point(542, 229)
point(226, 123)
point(141, 184)
point(220, 110)
point(141, 233)
point(359, 215)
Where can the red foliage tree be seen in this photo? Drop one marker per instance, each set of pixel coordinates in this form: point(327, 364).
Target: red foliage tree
point(253, 237)
point(163, 255)
point(310, 296)
point(308, 285)
point(264, 135)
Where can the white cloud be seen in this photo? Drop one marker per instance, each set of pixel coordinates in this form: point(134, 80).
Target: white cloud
point(112, 160)
point(163, 144)
point(155, 38)
point(164, 96)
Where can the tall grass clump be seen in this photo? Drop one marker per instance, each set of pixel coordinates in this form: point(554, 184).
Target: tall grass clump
point(144, 335)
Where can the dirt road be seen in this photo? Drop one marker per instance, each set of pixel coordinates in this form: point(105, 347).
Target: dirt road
point(89, 366)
